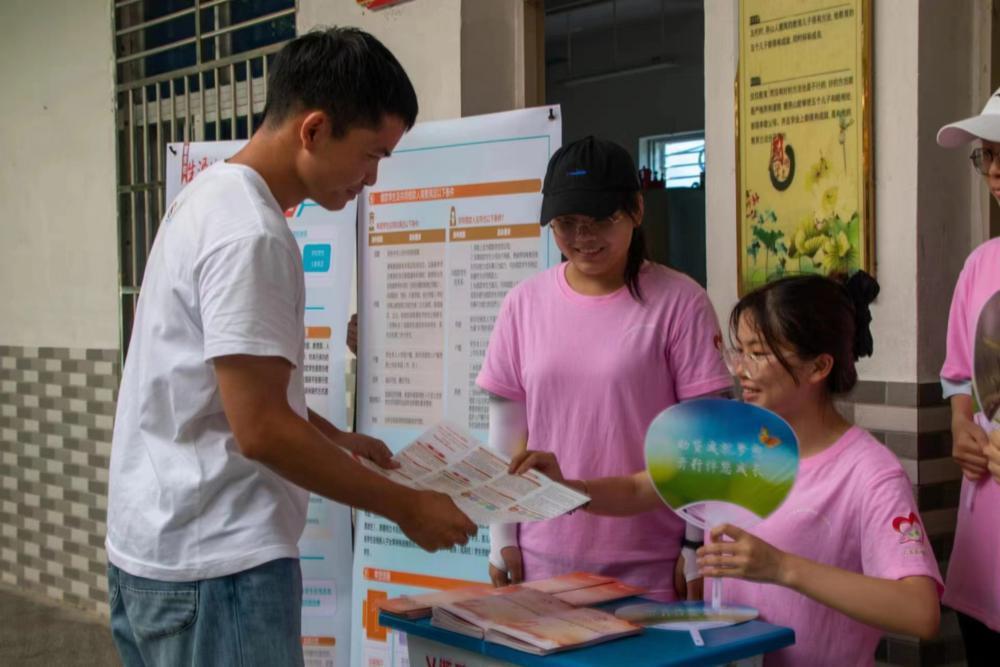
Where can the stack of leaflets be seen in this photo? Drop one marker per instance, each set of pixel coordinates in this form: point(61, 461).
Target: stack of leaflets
point(579, 589)
point(531, 621)
point(582, 589)
point(420, 606)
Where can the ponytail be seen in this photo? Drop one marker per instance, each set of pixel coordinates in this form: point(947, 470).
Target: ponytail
point(637, 253)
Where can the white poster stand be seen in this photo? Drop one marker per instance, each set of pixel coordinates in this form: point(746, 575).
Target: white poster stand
point(451, 225)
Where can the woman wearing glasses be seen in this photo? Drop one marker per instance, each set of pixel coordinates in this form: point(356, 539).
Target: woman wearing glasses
point(845, 557)
point(974, 567)
point(583, 357)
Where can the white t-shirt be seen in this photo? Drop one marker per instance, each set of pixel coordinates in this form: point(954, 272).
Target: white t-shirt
point(224, 277)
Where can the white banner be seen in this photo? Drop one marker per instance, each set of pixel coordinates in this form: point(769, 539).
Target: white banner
point(450, 227)
point(327, 241)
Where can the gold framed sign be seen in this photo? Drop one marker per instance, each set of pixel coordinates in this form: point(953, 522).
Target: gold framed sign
point(803, 139)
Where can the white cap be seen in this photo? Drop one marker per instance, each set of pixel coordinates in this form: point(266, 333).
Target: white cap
point(984, 126)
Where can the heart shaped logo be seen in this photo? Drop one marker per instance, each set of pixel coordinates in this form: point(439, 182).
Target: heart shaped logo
point(908, 528)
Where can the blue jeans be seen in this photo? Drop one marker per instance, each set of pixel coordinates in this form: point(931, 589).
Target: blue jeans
point(248, 618)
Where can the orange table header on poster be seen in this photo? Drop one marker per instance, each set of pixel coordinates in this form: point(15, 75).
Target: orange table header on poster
point(404, 238)
point(435, 193)
point(529, 231)
point(319, 641)
point(414, 579)
point(319, 332)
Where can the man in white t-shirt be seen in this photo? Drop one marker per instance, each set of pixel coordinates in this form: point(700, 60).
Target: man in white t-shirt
point(214, 451)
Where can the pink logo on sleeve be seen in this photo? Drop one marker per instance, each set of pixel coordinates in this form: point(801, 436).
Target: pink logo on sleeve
point(908, 528)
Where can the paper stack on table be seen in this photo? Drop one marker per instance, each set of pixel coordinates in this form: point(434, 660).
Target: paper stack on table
point(531, 621)
point(579, 589)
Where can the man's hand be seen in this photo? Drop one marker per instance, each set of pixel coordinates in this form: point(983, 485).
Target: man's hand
point(370, 448)
point(433, 521)
point(352, 334)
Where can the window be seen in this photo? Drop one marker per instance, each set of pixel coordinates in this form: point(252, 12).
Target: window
point(677, 159)
point(185, 70)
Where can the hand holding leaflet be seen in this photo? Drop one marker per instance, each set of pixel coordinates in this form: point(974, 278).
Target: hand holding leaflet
point(448, 459)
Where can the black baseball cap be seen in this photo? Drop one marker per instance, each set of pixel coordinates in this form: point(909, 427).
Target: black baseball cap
point(587, 177)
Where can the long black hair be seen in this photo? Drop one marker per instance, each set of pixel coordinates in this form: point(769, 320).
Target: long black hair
point(815, 315)
point(637, 253)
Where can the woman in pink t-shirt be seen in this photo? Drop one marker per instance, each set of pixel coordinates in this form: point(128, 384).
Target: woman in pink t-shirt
point(845, 557)
point(582, 358)
point(973, 581)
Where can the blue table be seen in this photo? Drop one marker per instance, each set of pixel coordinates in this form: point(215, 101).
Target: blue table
point(652, 648)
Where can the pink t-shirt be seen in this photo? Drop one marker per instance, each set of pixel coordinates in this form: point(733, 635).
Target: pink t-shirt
point(973, 586)
point(851, 507)
point(594, 372)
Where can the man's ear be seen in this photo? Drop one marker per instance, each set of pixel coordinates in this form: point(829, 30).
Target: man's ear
point(314, 124)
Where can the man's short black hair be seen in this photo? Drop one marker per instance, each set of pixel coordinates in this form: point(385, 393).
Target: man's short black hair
point(344, 72)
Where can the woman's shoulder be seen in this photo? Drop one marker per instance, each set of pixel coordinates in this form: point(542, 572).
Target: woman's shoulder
point(538, 285)
point(663, 282)
point(987, 252)
point(871, 459)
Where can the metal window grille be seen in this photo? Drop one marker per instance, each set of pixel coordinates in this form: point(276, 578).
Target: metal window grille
point(677, 159)
point(186, 70)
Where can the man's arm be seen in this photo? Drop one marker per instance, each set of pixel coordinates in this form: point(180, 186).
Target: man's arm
point(356, 443)
point(254, 398)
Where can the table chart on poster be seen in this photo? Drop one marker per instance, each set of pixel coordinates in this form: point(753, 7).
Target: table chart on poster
point(407, 310)
point(434, 285)
point(486, 262)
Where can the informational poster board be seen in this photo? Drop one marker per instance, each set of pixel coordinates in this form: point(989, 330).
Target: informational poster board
point(328, 242)
point(450, 227)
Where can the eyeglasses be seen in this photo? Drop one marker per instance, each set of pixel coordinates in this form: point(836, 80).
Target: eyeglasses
point(567, 228)
point(737, 360)
point(983, 159)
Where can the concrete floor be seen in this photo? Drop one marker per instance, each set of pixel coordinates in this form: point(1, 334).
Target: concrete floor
point(36, 632)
